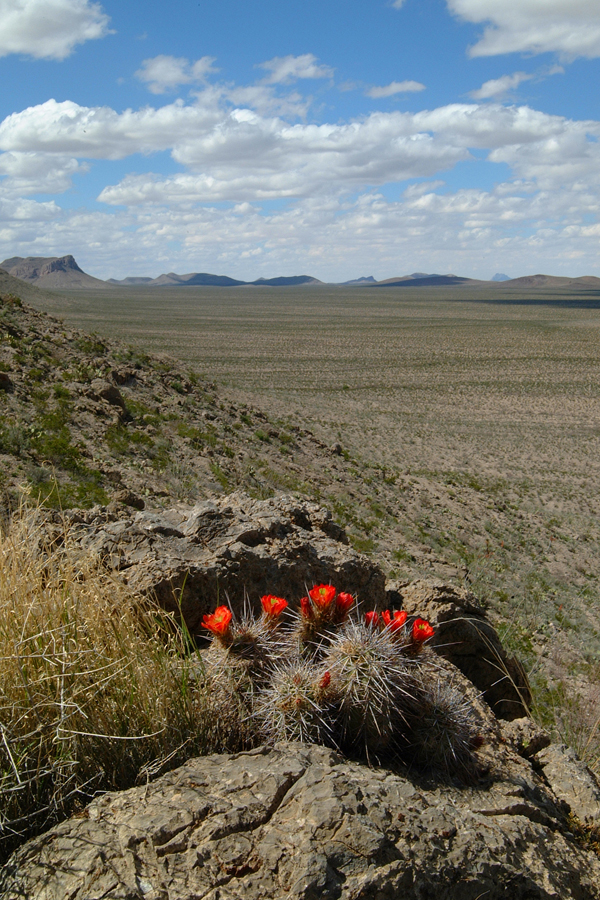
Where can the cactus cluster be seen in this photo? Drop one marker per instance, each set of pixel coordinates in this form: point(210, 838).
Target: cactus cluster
point(366, 685)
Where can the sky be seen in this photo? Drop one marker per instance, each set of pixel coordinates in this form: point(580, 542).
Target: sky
point(334, 138)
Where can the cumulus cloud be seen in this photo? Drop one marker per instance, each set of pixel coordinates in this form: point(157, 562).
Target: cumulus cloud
point(49, 29)
point(240, 155)
point(167, 73)
point(22, 174)
point(569, 27)
point(395, 87)
point(285, 69)
point(498, 87)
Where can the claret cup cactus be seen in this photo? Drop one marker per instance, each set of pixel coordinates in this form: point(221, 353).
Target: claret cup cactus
point(366, 685)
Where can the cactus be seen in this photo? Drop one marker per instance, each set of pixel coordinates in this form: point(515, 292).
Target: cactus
point(296, 704)
point(375, 684)
point(443, 734)
point(370, 687)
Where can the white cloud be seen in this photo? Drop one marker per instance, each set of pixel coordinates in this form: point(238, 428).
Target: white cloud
point(397, 3)
point(569, 27)
point(36, 173)
point(240, 155)
point(49, 29)
point(167, 73)
point(395, 87)
point(285, 69)
point(101, 133)
point(498, 87)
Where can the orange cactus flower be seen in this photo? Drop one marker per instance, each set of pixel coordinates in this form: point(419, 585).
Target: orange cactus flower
point(306, 608)
point(325, 681)
point(395, 622)
point(272, 605)
point(343, 602)
point(421, 630)
point(218, 622)
point(322, 595)
point(372, 619)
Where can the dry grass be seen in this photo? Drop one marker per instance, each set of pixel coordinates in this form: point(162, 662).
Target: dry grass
point(96, 692)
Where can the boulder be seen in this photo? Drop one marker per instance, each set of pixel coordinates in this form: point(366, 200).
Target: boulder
point(233, 549)
point(300, 822)
point(465, 636)
point(104, 390)
point(571, 781)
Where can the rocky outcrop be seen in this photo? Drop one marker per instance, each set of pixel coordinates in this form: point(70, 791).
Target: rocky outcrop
point(465, 636)
point(572, 781)
point(234, 548)
point(301, 822)
point(237, 549)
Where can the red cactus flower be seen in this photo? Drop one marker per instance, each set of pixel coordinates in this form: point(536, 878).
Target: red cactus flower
point(395, 622)
point(218, 622)
point(325, 681)
point(343, 602)
point(422, 630)
point(272, 605)
point(371, 619)
point(306, 608)
point(322, 595)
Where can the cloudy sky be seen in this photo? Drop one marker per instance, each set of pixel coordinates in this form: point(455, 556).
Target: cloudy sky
point(336, 138)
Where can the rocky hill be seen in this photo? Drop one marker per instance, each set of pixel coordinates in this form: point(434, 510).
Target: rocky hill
point(54, 272)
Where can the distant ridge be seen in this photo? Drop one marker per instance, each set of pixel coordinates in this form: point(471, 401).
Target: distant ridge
point(172, 279)
point(534, 281)
point(52, 272)
point(499, 276)
point(427, 281)
point(365, 280)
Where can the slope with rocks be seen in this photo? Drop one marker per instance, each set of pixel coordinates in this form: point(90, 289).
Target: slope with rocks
point(85, 420)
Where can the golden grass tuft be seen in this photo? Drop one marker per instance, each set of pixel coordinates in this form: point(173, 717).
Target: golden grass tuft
point(98, 689)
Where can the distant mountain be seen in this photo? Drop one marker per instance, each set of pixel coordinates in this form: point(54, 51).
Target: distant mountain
point(365, 280)
point(52, 272)
point(427, 281)
point(500, 277)
point(23, 289)
point(131, 280)
point(284, 281)
point(533, 281)
point(195, 279)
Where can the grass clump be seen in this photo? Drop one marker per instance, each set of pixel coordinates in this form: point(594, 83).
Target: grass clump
point(96, 686)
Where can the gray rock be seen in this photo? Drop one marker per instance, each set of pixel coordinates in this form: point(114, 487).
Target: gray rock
point(107, 391)
point(526, 736)
point(466, 637)
point(234, 548)
point(571, 781)
point(302, 823)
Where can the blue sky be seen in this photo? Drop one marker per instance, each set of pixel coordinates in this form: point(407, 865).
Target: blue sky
point(336, 138)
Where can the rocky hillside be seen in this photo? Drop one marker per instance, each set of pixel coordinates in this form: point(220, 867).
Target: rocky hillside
point(86, 421)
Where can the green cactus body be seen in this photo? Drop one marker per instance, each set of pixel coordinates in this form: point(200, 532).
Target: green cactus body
point(295, 705)
point(375, 684)
point(444, 734)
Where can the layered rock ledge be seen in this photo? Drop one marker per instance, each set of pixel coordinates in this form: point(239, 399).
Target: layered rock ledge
point(300, 822)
